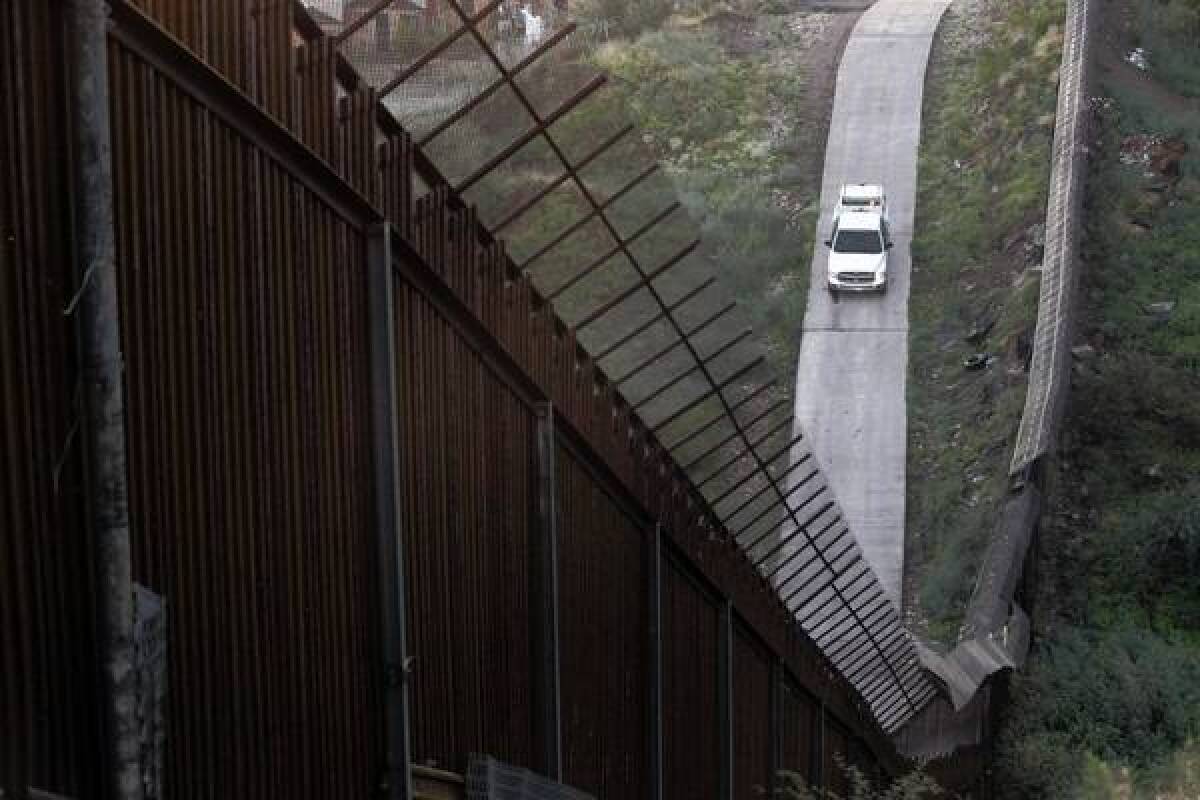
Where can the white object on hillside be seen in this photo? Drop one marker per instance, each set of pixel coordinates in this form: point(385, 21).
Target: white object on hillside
point(1137, 57)
point(533, 26)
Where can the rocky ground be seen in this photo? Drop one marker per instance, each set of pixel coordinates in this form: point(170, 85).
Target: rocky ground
point(810, 43)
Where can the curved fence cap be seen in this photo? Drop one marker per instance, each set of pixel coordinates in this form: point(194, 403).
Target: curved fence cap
point(501, 99)
point(1049, 371)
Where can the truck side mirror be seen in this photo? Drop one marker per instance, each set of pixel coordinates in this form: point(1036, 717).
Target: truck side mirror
point(889, 245)
point(829, 242)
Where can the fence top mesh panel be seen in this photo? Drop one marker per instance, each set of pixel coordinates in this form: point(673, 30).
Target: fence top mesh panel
point(503, 98)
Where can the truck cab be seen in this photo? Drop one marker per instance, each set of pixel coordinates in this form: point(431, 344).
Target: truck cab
point(858, 251)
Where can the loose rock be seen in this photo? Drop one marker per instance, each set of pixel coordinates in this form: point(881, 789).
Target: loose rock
point(1161, 311)
point(976, 362)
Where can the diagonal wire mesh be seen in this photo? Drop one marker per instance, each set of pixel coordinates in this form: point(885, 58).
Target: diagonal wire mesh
point(502, 98)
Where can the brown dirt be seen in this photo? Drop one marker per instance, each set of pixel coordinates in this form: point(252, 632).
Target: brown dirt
point(820, 61)
point(815, 41)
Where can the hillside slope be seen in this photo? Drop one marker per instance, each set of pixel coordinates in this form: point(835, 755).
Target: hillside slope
point(1110, 703)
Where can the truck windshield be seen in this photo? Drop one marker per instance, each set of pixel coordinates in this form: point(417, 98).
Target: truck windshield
point(857, 242)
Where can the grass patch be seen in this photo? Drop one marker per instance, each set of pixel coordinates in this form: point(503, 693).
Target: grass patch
point(982, 178)
point(703, 113)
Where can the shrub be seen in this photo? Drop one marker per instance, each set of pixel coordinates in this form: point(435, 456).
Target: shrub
point(1109, 704)
point(701, 108)
point(1128, 696)
point(1147, 561)
point(914, 785)
point(623, 17)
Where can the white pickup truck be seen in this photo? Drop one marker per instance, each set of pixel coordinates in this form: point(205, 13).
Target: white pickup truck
point(860, 240)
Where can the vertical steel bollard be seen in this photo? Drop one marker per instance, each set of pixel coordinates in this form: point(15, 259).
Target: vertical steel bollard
point(776, 723)
point(396, 780)
point(818, 749)
point(654, 704)
point(543, 602)
point(725, 698)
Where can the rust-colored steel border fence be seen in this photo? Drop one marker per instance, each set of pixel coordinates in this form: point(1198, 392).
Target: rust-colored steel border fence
point(248, 389)
point(516, 123)
point(251, 192)
point(471, 512)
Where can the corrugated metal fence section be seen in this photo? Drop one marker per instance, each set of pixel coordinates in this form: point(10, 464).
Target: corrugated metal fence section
point(248, 413)
point(467, 468)
point(604, 601)
point(243, 259)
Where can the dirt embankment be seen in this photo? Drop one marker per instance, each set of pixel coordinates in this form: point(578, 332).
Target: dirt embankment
point(812, 38)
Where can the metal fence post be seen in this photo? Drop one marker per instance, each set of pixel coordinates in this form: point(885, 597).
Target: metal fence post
point(776, 729)
point(396, 782)
point(654, 702)
point(543, 602)
point(725, 698)
point(818, 749)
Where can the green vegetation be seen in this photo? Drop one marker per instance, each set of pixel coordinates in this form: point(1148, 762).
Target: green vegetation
point(915, 785)
point(982, 177)
point(1169, 32)
point(626, 19)
point(705, 113)
point(1109, 706)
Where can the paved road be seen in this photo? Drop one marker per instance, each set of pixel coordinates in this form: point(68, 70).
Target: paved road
point(853, 356)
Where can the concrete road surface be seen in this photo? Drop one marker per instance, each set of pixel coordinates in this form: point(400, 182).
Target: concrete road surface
point(853, 356)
